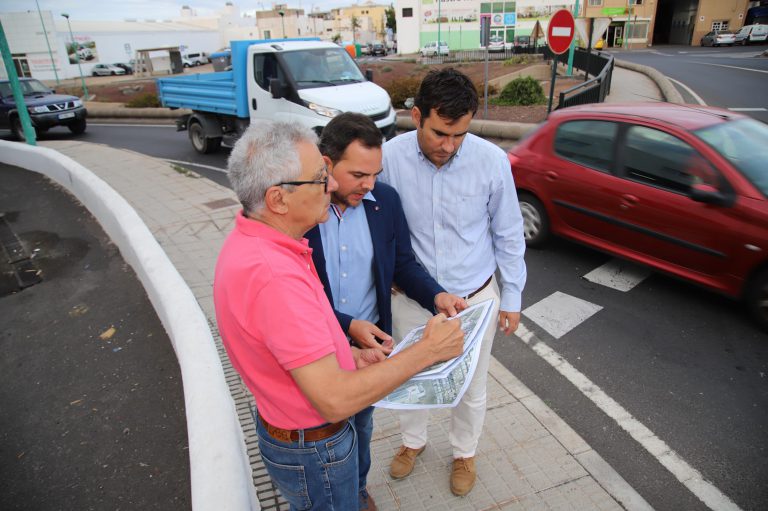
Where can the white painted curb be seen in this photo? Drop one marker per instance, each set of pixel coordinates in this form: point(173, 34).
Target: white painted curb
point(220, 471)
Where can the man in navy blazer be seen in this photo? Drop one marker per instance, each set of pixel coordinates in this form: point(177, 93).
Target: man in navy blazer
point(361, 251)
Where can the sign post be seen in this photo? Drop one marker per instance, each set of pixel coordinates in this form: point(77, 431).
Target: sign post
point(485, 36)
point(560, 32)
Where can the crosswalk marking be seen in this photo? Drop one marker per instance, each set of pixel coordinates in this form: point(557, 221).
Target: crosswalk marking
point(559, 313)
point(619, 275)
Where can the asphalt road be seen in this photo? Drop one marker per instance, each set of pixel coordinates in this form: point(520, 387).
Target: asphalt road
point(726, 77)
point(91, 402)
point(685, 363)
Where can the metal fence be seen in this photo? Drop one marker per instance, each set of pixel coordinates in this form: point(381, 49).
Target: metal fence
point(596, 64)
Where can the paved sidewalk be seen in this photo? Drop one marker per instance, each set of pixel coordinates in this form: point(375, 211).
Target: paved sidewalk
point(528, 457)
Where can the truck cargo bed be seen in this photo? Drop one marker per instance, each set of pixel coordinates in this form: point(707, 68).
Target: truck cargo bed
point(207, 92)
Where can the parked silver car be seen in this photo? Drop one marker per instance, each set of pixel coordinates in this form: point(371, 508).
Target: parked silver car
point(719, 38)
point(106, 70)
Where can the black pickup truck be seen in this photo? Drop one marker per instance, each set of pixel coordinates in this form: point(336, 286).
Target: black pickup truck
point(46, 108)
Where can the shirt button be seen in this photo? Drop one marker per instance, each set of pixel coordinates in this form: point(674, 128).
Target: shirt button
point(343, 247)
point(344, 275)
point(343, 300)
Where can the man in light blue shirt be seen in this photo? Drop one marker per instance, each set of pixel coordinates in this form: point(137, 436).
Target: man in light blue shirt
point(461, 205)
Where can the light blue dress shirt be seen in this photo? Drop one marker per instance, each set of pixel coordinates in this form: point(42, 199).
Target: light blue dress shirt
point(348, 250)
point(464, 217)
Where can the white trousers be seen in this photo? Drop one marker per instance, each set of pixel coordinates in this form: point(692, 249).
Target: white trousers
point(468, 416)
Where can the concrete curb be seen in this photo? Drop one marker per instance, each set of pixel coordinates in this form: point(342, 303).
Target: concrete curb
point(479, 127)
point(219, 467)
point(670, 93)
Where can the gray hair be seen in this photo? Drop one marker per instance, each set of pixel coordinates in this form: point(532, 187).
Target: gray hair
point(265, 155)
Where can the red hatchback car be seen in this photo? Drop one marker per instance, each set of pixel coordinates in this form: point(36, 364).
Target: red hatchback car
point(680, 188)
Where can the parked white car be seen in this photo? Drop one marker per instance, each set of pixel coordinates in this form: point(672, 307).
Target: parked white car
point(106, 70)
point(752, 34)
point(430, 49)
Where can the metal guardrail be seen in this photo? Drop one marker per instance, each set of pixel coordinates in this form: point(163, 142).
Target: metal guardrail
point(593, 90)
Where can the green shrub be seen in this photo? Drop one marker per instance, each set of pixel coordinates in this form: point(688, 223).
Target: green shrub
point(518, 59)
point(386, 69)
point(402, 89)
point(521, 91)
point(143, 101)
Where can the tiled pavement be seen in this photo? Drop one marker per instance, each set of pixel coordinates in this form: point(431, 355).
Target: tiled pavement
point(528, 457)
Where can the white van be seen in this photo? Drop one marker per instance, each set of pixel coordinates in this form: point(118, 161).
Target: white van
point(751, 34)
point(194, 59)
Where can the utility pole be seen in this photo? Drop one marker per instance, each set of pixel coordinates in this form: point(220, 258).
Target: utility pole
point(437, 50)
point(573, 43)
point(48, 44)
point(76, 47)
point(629, 22)
point(282, 20)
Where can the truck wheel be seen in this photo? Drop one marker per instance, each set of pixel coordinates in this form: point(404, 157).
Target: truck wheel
point(200, 142)
point(78, 127)
point(756, 298)
point(535, 220)
point(17, 130)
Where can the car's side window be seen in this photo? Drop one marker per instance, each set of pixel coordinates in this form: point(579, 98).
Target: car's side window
point(589, 143)
point(657, 158)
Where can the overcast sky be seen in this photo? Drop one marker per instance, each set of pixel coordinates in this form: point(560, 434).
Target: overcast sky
point(155, 9)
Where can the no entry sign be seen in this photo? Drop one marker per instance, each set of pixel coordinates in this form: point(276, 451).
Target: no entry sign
point(560, 31)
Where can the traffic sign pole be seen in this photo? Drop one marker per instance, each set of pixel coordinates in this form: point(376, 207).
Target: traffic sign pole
point(560, 32)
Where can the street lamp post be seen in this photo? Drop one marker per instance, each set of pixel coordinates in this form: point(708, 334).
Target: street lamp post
point(77, 57)
point(282, 20)
point(47, 43)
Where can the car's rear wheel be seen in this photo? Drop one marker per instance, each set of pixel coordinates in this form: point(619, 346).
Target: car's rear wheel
point(535, 220)
point(78, 127)
point(756, 298)
point(200, 142)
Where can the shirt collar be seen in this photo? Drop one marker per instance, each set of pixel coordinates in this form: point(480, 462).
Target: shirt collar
point(256, 229)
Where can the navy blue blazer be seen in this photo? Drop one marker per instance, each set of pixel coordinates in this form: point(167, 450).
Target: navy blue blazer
point(393, 258)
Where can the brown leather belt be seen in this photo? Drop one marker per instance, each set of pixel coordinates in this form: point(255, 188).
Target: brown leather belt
point(473, 293)
point(310, 435)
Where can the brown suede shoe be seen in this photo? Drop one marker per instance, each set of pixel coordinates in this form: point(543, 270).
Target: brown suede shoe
point(463, 475)
point(403, 462)
point(367, 502)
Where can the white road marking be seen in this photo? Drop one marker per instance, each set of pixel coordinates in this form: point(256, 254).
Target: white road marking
point(734, 67)
point(689, 90)
point(619, 275)
point(560, 313)
point(663, 54)
point(209, 167)
point(687, 475)
point(748, 109)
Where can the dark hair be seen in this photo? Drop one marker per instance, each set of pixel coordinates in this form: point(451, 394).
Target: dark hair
point(346, 128)
point(449, 92)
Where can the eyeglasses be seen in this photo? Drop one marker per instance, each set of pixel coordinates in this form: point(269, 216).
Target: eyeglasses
point(323, 182)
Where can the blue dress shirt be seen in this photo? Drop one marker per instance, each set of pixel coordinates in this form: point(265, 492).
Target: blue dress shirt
point(348, 252)
point(464, 217)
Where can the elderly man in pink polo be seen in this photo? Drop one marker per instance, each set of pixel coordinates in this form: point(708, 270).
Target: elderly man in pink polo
point(281, 333)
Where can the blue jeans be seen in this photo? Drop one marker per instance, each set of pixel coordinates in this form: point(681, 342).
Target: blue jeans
point(318, 475)
point(363, 421)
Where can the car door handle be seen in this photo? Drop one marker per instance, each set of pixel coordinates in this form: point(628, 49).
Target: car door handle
point(253, 103)
point(551, 175)
point(628, 201)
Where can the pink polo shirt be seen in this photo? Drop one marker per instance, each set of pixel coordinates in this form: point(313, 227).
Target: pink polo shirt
point(273, 316)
